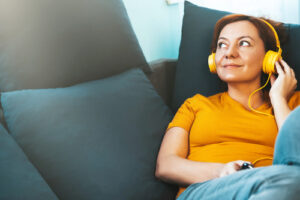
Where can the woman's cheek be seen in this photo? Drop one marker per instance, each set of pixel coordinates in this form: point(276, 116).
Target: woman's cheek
point(218, 60)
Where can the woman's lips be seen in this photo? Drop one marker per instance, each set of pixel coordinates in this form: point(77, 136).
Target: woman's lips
point(230, 66)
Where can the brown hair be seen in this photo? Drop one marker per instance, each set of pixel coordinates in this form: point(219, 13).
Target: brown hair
point(264, 31)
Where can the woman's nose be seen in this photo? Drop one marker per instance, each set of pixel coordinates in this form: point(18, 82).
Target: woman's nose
point(231, 52)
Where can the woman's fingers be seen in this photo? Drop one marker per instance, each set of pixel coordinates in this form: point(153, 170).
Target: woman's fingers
point(232, 167)
point(289, 71)
point(285, 83)
point(239, 163)
point(286, 67)
point(293, 72)
point(279, 68)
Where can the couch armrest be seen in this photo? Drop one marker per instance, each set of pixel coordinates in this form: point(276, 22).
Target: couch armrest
point(162, 77)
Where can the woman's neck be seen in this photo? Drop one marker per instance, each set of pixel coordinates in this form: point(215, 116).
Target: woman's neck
point(241, 93)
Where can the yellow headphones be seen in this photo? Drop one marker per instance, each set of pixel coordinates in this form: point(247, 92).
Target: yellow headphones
point(268, 64)
point(269, 60)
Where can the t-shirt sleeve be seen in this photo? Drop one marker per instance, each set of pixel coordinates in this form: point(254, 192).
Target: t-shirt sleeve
point(294, 100)
point(185, 115)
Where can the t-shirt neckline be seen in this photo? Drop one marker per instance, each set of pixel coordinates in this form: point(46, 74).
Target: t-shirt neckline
point(263, 106)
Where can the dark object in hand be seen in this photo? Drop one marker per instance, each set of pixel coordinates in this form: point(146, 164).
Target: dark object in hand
point(246, 166)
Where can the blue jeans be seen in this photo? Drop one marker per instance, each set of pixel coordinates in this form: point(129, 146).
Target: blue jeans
point(280, 181)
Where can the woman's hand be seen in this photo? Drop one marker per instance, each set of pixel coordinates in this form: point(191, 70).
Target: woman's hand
point(285, 84)
point(282, 89)
point(231, 167)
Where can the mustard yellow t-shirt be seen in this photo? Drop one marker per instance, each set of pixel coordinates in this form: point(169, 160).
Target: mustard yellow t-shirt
point(222, 130)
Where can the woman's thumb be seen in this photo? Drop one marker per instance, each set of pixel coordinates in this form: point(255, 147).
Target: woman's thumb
point(272, 79)
point(238, 164)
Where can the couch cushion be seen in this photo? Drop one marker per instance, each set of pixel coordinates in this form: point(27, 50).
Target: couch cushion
point(58, 43)
point(96, 140)
point(18, 177)
point(291, 50)
point(192, 72)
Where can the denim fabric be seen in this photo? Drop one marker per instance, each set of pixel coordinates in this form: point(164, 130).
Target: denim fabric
point(279, 181)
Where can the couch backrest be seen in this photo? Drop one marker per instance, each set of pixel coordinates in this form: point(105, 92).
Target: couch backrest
point(192, 72)
point(57, 43)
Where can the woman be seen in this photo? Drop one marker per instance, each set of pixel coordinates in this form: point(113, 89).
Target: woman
point(210, 138)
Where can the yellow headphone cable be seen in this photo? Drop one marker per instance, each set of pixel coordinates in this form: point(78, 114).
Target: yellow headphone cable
point(270, 69)
point(249, 100)
point(263, 158)
point(267, 68)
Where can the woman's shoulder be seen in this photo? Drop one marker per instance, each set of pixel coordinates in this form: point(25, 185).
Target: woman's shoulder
point(296, 94)
point(294, 101)
point(200, 99)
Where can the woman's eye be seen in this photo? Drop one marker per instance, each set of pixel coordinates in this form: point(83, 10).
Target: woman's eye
point(221, 45)
point(244, 43)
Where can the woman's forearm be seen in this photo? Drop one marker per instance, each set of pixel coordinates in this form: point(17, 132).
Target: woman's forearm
point(183, 172)
point(281, 110)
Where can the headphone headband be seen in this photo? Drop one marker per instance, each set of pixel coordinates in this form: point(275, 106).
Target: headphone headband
point(270, 57)
point(275, 34)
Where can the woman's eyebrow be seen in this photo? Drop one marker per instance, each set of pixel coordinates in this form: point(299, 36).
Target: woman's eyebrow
point(246, 36)
point(241, 37)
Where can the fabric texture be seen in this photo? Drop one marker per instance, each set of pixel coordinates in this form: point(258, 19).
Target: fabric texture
point(58, 43)
point(19, 179)
point(192, 72)
point(219, 125)
point(96, 140)
point(279, 181)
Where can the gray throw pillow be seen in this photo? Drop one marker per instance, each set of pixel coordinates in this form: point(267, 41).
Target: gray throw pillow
point(95, 140)
point(192, 72)
point(58, 43)
point(18, 177)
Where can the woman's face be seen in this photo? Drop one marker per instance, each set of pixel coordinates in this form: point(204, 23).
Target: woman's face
point(240, 53)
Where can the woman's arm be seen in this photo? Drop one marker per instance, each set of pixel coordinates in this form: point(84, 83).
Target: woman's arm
point(281, 110)
point(282, 89)
point(172, 165)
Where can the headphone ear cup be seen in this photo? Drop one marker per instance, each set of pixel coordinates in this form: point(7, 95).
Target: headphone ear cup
point(211, 63)
point(269, 61)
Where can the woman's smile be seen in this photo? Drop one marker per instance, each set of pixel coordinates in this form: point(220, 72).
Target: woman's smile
point(231, 66)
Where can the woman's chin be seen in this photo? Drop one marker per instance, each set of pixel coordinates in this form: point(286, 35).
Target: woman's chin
point(230, 78)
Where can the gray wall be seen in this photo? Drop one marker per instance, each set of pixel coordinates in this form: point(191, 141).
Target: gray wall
point(157, 26)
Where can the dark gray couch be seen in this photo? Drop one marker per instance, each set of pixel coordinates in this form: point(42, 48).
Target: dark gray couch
point(83, 113)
